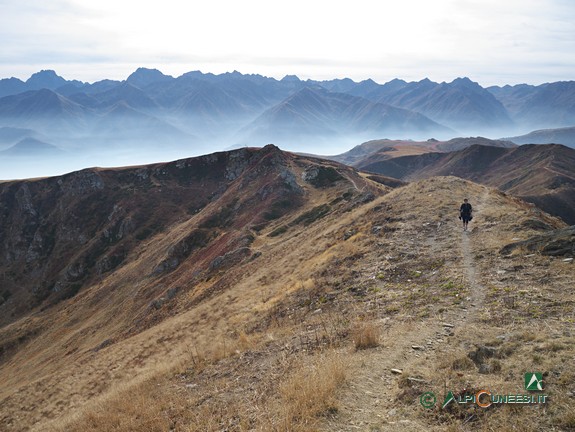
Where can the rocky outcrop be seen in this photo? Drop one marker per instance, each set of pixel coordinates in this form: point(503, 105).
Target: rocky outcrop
point(230, 258)
point(320, 176)
point(559, 242)
point(180, 251)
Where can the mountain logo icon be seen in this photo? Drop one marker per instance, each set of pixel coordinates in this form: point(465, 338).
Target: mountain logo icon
point(448, 399)
point(534, 381)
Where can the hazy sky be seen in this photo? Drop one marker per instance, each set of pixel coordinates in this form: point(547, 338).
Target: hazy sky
point(490, 41)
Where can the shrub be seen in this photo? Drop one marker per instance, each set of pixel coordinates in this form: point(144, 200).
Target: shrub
point(365, 335)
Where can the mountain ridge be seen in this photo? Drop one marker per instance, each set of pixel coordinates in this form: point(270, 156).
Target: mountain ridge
point(233, 109)
point(271, 295)
point(109, 222)
point(540, 174)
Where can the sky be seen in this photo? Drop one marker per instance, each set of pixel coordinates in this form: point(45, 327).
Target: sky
point(493, 42)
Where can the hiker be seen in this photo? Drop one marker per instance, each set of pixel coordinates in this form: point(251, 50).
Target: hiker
point(465, 213)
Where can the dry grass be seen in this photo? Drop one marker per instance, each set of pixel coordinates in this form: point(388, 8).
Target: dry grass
point(303, 399)
point(462, 363)
point(144, 408)
point(365, 335)
point(247, 371)
point(309, 393)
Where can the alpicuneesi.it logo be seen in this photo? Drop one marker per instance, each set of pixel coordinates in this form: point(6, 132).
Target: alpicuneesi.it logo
point(486, 398)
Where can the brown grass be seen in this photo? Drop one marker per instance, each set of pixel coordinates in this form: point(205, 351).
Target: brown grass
point(245, 371)
point(462, 363)
point(365, 335)
point(143, 408)
point(309, 393)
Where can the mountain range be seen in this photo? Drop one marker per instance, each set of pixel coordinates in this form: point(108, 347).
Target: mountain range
point(169, 117)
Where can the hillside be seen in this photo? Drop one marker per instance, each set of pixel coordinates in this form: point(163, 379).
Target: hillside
point(541, 174)
point(461, 104)
point(373, 151)
point(549, 105)
point(316, 114)
point(66, 233)
point(261, 290)
point(565, 136)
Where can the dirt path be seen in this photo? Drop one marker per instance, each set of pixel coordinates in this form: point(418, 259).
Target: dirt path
point(477, 290)
point(369, 403)
point(354, 184)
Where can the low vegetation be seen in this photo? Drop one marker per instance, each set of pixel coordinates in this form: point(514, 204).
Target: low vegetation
point(340, 325)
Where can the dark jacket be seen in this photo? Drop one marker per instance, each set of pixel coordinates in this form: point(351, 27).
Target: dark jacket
point(465, 209)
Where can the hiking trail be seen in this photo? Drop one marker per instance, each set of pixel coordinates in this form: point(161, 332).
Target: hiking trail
point(477, 290)
point(370, 400)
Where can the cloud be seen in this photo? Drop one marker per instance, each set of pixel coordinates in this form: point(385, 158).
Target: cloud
point(527, 40)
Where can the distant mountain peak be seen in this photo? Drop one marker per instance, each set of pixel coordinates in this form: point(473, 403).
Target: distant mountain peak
point(290, 78)
point(44, 73)
point(47, 79)
point(143, 70)
point(465, 82)
point(143, 77)
point(31, 147)
point(397, 81)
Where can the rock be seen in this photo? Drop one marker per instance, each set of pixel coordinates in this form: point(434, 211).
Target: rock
point(172, 292)
point(365, 198)
point(484, 368)
point(560, 242)
point(481, 354)
point(417, 347)
point(181, 250)
point(568, 260)
point(321, 176)
point(230, 258)
point(290, 181)
point(349, 233)
point(237, 163)
point(158, 303)
point(448, 325)
point(396, 371)
point(535, 224)
point(81, 182)
point(103, 345)
point(416, 380)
